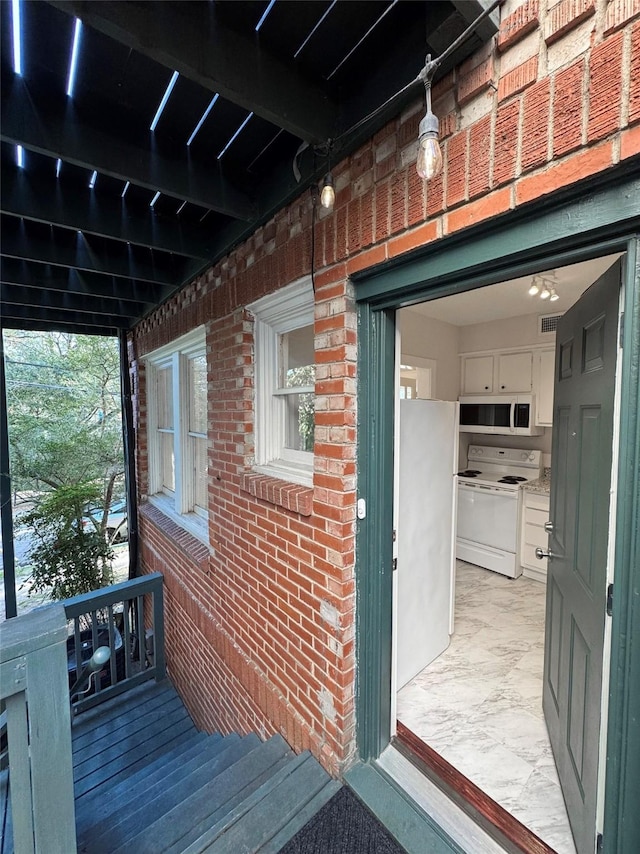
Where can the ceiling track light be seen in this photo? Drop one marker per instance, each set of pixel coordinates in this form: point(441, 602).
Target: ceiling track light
point(544, 287)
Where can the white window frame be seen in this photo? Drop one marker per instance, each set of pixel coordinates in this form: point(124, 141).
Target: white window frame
point(290, 308)
point(179, 505)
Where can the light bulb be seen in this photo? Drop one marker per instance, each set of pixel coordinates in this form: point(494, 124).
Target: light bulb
point(554, 296)
point(545, 293)
point(429, 162)
point(429, 158)
point(328, 194)
point(534, 289)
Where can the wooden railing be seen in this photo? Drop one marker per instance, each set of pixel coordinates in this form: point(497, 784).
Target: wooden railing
point(34, 685)
point(41, 654)
point(128, 618)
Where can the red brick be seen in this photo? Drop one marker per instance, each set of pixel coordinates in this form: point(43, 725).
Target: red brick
point(435, 195)
point(518, 78)
point(479, 156)
point(382, 210)
point(605, 88)
point(441, 87)
point(482, 209)
point(518, 24)
point(456, 166)
point(618, 13)
point(506, 142)
point(413, 239)
point(408, 130)
point(447, 125)
point(415, 197)
point(634, 96)
point(567, 109)
point(566, 15)
point(630, 143)
point(572, 169)
point(475, 81)
point(367, 259)
point(398, 201)
point(535, 130)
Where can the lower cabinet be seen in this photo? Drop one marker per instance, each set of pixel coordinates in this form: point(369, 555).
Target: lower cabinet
point(535, 512)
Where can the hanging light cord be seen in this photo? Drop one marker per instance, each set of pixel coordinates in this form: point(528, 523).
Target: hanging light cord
point(427, 73)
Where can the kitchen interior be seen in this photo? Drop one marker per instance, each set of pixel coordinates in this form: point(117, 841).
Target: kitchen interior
point(485, 360)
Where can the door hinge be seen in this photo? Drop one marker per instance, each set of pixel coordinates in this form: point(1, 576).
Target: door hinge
point(599, 843)
point(621, 336)
point(394, 564)
point(609, 600)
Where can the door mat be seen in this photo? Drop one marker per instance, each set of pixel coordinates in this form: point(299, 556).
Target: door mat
point(344, 825)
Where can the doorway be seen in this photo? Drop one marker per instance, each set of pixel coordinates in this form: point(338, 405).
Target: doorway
point(478, 700)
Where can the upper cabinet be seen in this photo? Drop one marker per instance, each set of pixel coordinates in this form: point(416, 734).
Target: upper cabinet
point(477, 374)
point(497, 373)
point(514, 372)
point(544, 377)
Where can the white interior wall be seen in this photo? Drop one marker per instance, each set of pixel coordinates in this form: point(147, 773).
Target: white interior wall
point(433, 339)
point(504, 334)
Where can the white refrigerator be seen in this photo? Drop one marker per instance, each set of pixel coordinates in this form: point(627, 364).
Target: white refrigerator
point(425, 533)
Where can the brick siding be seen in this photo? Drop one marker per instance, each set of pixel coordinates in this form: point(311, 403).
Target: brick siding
point(260, 627)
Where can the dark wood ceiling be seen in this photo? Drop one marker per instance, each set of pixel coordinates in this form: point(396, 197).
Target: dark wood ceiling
point(96, 259)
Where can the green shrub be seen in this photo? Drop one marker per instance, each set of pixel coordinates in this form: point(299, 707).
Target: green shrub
point(67, 560)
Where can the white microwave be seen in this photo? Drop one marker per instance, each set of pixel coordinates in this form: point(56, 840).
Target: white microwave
point(501, 415)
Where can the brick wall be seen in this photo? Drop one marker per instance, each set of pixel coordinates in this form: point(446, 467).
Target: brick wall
point(260, 627)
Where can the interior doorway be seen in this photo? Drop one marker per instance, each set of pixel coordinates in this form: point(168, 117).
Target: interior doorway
point(478, 702)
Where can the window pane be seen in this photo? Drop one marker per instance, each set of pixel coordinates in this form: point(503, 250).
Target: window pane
point(297, 358)
point(165, 398)
point(167, 461)
point(198, 394)
point(299, 421)
point(199, 456)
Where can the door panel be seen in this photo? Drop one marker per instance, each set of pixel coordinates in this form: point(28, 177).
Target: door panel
point(428, 458)
point(586, 352)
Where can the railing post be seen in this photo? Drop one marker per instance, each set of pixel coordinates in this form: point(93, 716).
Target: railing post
point(158, 632)
point(33, 677)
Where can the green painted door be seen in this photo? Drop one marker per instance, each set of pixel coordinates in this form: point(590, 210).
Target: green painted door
point(586, 349)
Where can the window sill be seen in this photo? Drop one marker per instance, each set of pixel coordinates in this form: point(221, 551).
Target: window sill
point(195, 547)
point(281, 492)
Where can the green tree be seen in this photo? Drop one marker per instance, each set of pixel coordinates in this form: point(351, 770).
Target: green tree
point(67, 559)
point(65, 431)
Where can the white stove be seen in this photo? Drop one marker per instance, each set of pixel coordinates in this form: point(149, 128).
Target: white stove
point(502, 468)
point(490, 505)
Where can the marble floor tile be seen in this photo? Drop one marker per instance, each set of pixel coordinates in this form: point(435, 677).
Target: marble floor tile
point(479, 704)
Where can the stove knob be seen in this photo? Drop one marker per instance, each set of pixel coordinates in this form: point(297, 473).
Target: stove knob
point(525, 456)
point(532, 456)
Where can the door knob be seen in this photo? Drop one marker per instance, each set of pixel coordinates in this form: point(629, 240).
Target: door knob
point(548, 526)
point(540, 554)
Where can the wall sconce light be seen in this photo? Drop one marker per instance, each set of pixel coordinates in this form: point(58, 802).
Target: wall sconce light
point(328, 194)
point(429, 162)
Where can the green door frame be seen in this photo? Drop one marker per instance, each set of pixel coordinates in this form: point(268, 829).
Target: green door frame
point(586, 223)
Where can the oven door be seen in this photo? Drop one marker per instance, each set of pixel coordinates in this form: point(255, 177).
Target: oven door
point(488, 516)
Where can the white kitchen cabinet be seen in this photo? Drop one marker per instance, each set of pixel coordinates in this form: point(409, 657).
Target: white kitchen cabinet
point(477, 374)
point(514, 372)
point(543, 387)
point(535, 512)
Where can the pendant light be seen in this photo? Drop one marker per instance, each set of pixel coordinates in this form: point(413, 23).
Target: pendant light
point(328, 194)
point(429, 163)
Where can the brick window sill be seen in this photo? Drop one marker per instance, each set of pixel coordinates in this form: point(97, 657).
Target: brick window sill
point(291, 496)
point(191, 546)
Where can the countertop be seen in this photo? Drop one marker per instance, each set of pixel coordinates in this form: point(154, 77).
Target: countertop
point(542, 486)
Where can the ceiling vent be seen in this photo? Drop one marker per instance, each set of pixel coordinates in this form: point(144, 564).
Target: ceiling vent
point(548, 323)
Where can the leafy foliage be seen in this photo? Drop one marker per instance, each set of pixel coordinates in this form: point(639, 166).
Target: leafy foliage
point(67, 560)
point(65, 442)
